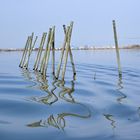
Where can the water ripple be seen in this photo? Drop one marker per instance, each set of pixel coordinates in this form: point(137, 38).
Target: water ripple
point(98, 105)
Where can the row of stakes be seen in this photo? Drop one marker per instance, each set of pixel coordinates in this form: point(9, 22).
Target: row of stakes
point(41, 62)
point(42, 59)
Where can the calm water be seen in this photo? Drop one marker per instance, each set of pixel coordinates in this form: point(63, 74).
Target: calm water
point(98, 105)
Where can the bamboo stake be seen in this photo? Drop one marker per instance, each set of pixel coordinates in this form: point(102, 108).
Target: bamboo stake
point(26, 52)
point(62, 53)
point(71, 56)
point(67, 50)
point(30, 50)
point(25, 48)
point(39, 49)
point(117, 48)
point(45, 53)
point(37, 62)
point(53, 53)
point(48, 52)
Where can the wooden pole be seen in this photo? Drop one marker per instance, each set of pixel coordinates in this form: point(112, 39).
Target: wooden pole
point(31, 52)
point(117, 48)
point(67, 50)
point(62, 53)
point(39, 50)
point(71, 56)
point(29, 48)
point(48, 52)
point(53, 53)
point(37, 62)
point(33, 45)
point(25, 49)
point(26, 52)
point(45, 53)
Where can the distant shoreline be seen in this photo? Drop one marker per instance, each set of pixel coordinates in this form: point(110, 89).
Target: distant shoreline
point(77, 48)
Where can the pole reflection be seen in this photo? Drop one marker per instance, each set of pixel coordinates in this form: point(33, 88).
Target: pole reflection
point(119, 89)
point(56, 91)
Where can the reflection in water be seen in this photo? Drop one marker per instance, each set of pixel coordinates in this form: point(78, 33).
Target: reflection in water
point(58, 122)
point(123, 96)
point(120, 83)
point(120, 87)
point(138, 110)
point(94, 76)
point(4, 122)
point(26, 74)
point(110, 118)
point(65, 93)
point(50, 98)
point(36, 124)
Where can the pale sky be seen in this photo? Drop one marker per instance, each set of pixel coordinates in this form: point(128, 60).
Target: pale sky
point(92, 21)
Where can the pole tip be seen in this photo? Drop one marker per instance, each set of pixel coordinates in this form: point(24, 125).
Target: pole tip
point(74, 74)
point(113, 21)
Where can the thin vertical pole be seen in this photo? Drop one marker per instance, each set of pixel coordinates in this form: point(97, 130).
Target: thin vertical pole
point(71, 56)
point(48, 52)
point(30, 51)
point(67, 50)
point(26, 52)
point(29, 48)
point(62, 53)
point(53, 53)
point(37, 62)
point(25, 49)
point(45, 53)
point(117, 48)
point(33, 45)
point(39, 50)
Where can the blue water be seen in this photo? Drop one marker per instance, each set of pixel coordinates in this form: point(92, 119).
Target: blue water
point(97, 105)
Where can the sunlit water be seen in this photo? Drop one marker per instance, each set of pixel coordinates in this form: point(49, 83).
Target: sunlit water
point(98, 105)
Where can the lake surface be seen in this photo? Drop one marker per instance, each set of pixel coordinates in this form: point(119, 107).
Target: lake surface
point(98, 105)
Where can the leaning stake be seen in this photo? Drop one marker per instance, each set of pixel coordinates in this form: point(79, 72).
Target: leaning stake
point(28, 51)
point(24, 52)
point(45, 34)
point(40, 49)
point(71, 56)
point(117, 48)
point(53, 53)
point(67, 51)
point(62, 53)
point(31, 51)
point(45, 53)
point(48, 52)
